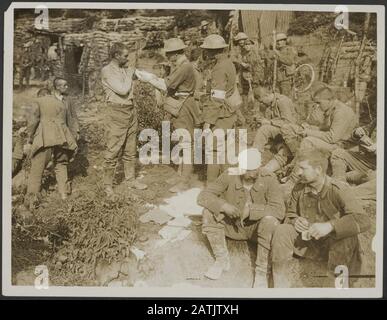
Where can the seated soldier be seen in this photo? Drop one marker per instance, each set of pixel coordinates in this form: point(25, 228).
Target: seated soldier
point(323, 217)
point(339, 121)
point(358, 166)
point(359, 163)
point(279, 112)
point(242, 204)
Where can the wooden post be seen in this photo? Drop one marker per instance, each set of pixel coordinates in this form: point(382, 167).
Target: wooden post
point(275, 62)
point(357, 65)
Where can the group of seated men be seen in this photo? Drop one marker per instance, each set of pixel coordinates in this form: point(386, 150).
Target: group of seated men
point(312, 213)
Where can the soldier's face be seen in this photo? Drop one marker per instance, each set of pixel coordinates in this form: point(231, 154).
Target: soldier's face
point(171, 56)
point(250, 176)
point(281, 43)
point(62, 86)
point(323, 104)
point(242, 43)
point(307, 173)
point(123, 58)
point(265, 99)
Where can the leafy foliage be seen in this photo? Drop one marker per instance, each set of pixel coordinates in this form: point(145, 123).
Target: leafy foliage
point(149, 114)
point(93, 229)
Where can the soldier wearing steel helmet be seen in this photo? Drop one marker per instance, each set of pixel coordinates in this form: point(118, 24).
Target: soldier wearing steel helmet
point(286, 57)
point(181, 84)
point(204, 32)
point(249, 65)
point(217, 112)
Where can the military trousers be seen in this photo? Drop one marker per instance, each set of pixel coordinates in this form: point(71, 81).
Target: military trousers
point(121, 135)
point(347, 160)
point(39, 161)
point(216, 169)
point(189, 118)
point(339, 252)
point(260, 232)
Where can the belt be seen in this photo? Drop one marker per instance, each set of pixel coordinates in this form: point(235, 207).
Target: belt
point(120, 104)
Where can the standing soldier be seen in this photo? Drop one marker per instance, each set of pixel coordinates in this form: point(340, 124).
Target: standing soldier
point(25, 69)
point(52, 134)
point(286, 57)
point(232, 26)
point(220, 111)
point(121, 120)
point(204, 29)
point(249, 65)
point(181, 84)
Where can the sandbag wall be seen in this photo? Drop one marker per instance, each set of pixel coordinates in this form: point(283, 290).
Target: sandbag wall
point(346, 58)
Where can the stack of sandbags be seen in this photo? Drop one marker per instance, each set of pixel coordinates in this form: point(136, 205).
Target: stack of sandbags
point(21, 26)
point(77, 38)
point(350, 50)
point(67, 25)
point(132, 23)
point(101, 42)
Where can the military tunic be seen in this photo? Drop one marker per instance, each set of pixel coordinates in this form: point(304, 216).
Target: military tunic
point(52, 132)
point(334, 204)
point(216, 111)
point(266, 211)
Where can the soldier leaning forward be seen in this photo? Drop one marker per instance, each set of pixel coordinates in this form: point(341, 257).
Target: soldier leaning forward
point(220, 109)
point(339, 120)
point(279, 112)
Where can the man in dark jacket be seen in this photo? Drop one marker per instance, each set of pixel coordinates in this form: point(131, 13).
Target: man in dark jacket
point(242, 205)
point(52, 134)
point(322, 217)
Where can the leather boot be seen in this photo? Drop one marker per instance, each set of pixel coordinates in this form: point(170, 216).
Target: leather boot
point(222, 260)
point(260, 279)
point(130, 179)
point(108, 181)
point(62, 179)
point(281, 274)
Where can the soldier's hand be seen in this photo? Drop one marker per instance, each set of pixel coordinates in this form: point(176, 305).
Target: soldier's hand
point(319, 230)
point(230, 210)
point(301, 224)
point(241, 120)
point(245, 65)
point(206, 126)
point(245, 213)
point(27, 149)
point(371, 148)
point(359, 132)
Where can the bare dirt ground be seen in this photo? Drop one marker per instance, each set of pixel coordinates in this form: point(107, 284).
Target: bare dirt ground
point(179, 263)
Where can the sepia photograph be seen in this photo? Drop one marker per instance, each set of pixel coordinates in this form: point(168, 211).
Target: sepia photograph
point(213, 150)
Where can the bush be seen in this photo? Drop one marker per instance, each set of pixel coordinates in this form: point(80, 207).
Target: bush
point(95, 229)
point(149, 114)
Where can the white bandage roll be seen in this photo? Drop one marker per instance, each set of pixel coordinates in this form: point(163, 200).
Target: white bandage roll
point(219, 94)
